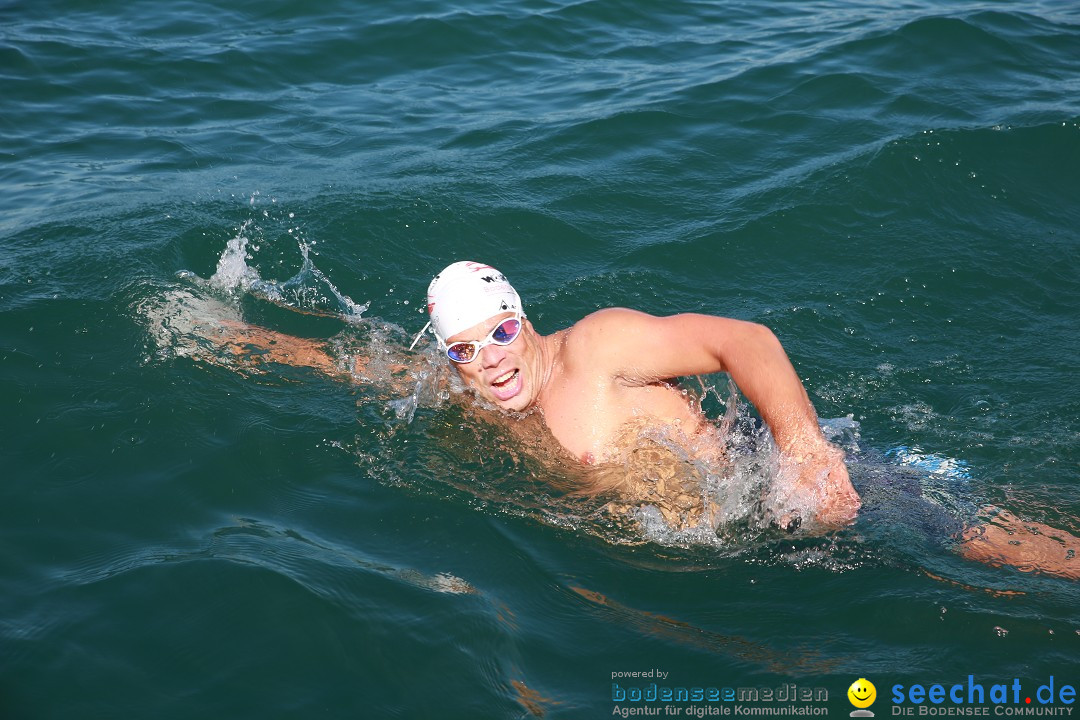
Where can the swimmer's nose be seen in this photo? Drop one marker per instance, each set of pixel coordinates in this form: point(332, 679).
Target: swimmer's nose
point(492, 355)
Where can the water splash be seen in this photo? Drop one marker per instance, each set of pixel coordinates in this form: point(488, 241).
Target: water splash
point(191, 319)
point(309, 291)
point(233, 273)
point(179, 320)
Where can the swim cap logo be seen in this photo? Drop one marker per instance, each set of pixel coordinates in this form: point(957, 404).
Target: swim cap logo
point(862, 694)
point(465, 294)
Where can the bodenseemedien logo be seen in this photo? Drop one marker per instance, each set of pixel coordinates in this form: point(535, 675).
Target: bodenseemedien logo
point(862, 694)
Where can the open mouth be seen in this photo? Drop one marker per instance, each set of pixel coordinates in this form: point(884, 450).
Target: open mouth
point(506, 385)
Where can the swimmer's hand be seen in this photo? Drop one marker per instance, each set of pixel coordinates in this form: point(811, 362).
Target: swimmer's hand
point(813, 486)
point(1000, 538)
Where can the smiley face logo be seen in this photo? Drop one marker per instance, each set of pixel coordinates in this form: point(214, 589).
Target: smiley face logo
point(862, 693)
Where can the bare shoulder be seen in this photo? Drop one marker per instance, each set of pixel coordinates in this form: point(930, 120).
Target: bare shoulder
point(641, 348)
point(600, 339)
point(605, 326)
point(615, 319)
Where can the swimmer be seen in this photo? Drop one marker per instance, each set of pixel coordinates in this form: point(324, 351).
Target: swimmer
point(614, 369)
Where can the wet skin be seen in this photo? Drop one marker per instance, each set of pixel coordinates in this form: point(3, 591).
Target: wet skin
point(585, 409)
point(612, 368)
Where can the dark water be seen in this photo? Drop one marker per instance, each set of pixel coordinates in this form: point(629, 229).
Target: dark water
point(893, 190)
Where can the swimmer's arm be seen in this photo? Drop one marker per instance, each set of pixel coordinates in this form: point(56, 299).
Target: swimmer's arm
point(240, 345)
point(640, 348)
point(250, 344)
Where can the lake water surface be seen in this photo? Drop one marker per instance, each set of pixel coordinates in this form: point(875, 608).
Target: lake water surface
point(892, 189)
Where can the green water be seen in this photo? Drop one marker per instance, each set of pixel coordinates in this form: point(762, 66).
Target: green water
point(892, 190)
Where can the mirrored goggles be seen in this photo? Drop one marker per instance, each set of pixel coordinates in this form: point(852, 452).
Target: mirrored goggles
point(503, 334)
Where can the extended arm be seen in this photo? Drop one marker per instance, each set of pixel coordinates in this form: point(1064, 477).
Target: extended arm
point(189, 323)
point(251, 344)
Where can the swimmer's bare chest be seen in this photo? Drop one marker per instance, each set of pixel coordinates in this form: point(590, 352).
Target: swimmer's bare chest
point(589, 418)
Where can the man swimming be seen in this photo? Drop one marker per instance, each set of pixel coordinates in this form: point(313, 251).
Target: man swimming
point(614, 369)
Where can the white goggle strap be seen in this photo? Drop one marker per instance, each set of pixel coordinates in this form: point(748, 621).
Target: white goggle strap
point(521, 316)
point(420, 335)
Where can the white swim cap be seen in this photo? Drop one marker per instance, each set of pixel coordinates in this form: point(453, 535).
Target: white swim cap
point(468, 293)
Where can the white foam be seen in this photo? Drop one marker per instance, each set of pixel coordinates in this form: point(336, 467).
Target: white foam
point(309, 291)
point(233, 273)
point(178, 318)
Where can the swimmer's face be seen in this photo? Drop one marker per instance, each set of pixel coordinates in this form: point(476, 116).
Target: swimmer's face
point(505, 375)
point(862, 693)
